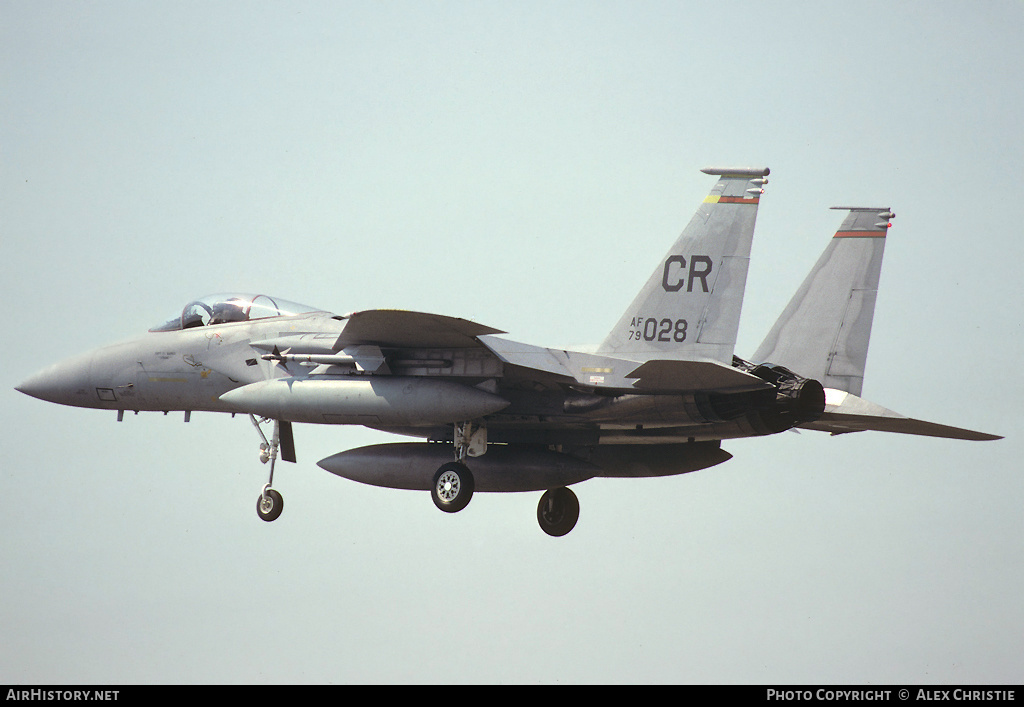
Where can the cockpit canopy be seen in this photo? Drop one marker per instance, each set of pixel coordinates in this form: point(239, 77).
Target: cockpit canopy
point(234, 307)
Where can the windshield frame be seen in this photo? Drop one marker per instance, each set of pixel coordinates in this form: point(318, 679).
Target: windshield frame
point(233, 307)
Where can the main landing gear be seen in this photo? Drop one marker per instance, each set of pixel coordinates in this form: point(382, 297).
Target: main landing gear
point(270, 503)
point(452, 486)
point(558, 511)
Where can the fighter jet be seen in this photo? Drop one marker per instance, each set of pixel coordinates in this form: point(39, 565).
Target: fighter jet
point(655, 398)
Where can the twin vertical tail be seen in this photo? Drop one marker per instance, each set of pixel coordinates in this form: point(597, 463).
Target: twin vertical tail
point(689, 310)
point(824, 331)
point(690, 307)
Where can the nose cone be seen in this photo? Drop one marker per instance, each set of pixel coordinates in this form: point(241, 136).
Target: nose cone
point(66, 383)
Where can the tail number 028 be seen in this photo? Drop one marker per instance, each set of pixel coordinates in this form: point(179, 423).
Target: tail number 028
point(651, 329)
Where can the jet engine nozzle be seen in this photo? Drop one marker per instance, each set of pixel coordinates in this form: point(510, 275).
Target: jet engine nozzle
point(794, 401)
point(797, 399)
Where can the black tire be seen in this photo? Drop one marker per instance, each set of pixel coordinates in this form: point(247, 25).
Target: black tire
point(269, 506)
point(452, 487)
point(558, 511)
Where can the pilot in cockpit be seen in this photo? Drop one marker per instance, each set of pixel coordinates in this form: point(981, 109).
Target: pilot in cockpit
point(232, 310)
point(191, 318)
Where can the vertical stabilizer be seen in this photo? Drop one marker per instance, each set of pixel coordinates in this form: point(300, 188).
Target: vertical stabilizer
point(824, 331)
point(690, 306)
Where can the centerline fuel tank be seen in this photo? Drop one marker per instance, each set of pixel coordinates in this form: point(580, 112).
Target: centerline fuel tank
point(505, 468)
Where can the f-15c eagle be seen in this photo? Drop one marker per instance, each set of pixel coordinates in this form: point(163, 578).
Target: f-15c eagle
point(655, 398)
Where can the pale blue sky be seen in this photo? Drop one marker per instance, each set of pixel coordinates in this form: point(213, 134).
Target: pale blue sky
point(523, 165)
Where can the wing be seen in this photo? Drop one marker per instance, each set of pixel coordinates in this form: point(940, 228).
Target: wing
point(358, 345)
point(402, 329)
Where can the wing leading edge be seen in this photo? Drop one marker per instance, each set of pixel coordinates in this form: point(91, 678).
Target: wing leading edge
point(404, 329)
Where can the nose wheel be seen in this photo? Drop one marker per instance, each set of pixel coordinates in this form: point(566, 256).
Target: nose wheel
point(269, 504)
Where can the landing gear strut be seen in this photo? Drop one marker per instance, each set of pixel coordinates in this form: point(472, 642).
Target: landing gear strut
point(270, 503)
point(452, 486)
point(558, 511)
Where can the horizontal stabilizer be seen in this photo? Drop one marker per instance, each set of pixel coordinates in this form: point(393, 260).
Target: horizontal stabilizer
point(846, 412)
point(403, 329)
point(535, 358)
point(608, 372)
point(677, 376)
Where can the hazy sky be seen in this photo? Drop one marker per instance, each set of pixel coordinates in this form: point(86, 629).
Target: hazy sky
point(524, 165)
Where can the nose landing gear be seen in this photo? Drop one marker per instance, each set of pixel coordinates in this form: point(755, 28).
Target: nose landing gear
point(270, 503)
